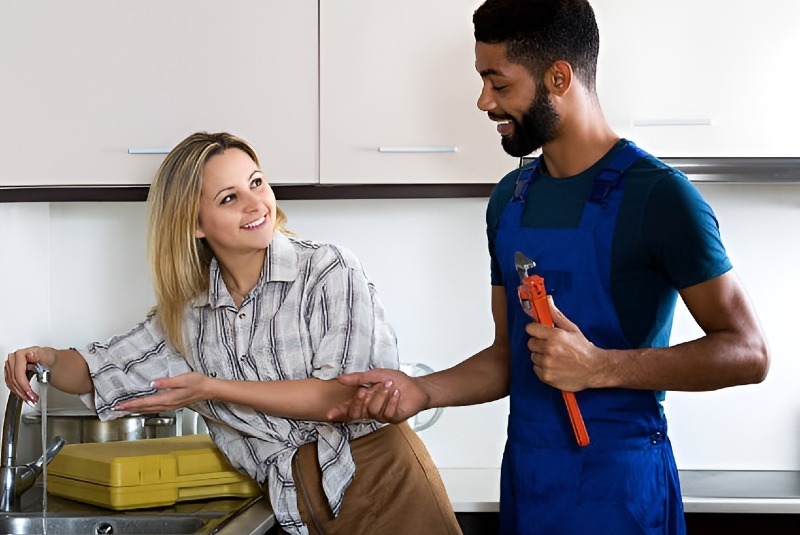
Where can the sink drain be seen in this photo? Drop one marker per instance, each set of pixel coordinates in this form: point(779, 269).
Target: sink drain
point(103, 528)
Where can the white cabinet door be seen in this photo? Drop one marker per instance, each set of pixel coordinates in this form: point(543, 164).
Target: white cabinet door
point(84, 81)
point(709, 78)
point(398, 93)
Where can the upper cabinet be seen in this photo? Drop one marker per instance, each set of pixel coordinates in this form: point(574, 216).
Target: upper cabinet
point(94, 92)
point(398, 93)
point(710, 78)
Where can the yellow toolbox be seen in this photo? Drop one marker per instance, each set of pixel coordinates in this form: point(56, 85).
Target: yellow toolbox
point(145, 473)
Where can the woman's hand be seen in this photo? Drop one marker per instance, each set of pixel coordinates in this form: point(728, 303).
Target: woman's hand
point(19, 362)
point(174, 393)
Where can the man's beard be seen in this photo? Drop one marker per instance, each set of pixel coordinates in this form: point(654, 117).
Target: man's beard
point(538, 126)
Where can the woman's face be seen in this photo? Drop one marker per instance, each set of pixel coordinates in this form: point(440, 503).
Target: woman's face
point(237, 206)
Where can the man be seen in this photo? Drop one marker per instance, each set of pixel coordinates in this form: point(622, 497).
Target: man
point(617, 236)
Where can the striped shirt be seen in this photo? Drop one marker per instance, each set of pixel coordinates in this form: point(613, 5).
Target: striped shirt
point(313, 313)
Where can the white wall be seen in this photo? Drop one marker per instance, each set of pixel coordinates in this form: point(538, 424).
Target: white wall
point(756, 426)
point(75, 272)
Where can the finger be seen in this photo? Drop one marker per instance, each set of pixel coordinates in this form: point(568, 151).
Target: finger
point(351, 379)
point(392, 405)
point(378, 402)
point(357, 410)
point(339, 412)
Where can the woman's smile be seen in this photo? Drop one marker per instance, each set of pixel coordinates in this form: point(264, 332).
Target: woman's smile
point(258, 223)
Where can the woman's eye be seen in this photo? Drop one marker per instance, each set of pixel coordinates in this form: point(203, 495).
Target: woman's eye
point(499, 88)
point(256, 182)
point(227, 198)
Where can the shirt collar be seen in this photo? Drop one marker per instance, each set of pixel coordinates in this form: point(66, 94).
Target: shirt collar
point(280, 264)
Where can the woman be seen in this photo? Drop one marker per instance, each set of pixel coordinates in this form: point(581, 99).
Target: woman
point(249, 329)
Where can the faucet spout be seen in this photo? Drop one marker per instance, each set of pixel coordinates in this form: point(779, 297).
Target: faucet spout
point(16, 479)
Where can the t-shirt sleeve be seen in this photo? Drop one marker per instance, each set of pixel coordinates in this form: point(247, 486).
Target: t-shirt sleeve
point(347, 321)
point(123, 367)
point(500, 197)
point(684, 233)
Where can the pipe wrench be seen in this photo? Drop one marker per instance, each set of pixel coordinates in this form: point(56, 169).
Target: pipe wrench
point(533, 298)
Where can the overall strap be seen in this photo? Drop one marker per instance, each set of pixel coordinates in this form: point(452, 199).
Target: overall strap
point(611, 175)
point(526, 177)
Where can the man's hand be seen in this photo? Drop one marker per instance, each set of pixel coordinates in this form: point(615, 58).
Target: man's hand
point(562, 356)
point(385, 395)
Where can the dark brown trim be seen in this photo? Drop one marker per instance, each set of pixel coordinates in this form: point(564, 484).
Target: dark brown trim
point(282, 192)
point(723, 170)
point(73, 194)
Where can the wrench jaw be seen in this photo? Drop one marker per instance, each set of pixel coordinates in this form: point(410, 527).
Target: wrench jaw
point(525, 288)
point(523, 264)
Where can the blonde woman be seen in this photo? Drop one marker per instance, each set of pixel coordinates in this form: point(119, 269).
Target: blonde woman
point(250, 327)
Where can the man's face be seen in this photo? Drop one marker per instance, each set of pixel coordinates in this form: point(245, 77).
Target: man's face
point(510, 95)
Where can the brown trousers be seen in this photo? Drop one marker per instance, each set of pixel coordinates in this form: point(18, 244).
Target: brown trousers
point(397, 489)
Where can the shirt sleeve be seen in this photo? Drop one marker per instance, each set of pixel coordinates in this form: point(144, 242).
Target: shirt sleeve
point(347, 321)
point(123, 367)
point(684, 233)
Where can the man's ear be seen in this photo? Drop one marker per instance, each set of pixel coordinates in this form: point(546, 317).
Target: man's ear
point(558, 78)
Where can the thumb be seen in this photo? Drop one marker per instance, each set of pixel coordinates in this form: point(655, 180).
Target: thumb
point(353, 379)
point(559, 319)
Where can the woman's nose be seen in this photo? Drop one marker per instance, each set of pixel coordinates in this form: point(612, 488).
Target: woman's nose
point(252, 202)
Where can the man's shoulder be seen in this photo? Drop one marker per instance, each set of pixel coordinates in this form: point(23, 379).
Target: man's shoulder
point(504, 190)
point(649, 175)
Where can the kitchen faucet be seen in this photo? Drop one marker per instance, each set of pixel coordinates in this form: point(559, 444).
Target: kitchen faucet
point(15, 479)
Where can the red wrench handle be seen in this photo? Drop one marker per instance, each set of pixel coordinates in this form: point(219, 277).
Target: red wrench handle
point(532, 290)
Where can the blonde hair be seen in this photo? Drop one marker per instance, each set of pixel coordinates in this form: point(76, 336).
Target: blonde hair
point(179, 261)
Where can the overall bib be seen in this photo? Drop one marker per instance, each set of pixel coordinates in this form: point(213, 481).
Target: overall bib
point(625, 481)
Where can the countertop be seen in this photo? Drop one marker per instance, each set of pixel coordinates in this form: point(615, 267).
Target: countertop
point(477, 490)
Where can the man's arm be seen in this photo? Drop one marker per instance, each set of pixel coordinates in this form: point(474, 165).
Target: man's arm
point(732, 352)
point(395, 397)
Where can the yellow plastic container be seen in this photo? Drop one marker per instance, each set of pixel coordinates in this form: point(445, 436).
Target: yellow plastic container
point(145, 473)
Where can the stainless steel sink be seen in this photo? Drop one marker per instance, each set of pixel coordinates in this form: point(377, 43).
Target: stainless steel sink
point(69, 524)
point(221, 516)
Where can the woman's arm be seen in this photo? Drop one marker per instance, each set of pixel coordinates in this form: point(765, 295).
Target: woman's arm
point(68, 371)
point(302, 399)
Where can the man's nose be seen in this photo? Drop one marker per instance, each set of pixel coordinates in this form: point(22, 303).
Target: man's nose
point(486, 99)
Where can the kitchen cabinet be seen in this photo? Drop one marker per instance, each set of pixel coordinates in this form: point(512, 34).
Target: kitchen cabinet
point(398, 93)
point(701, 79)
point(94, 92)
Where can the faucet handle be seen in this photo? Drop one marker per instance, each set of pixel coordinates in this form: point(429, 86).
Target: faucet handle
point(42, 374)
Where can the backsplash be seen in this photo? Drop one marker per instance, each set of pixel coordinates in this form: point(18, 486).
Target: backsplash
point(76, 272)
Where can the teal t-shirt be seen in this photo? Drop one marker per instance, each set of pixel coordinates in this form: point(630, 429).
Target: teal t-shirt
point(666, 238)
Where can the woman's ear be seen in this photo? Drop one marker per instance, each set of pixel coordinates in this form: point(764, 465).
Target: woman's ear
point(198, 232)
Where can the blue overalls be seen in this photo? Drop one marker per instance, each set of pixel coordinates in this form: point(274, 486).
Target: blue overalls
point(625, 481)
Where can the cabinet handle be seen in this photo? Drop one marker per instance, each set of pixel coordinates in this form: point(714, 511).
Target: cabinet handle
point(673, 122)
point(417, 149)
point(158, 150)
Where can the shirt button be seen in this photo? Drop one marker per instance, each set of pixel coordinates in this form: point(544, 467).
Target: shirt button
point(242, 316)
